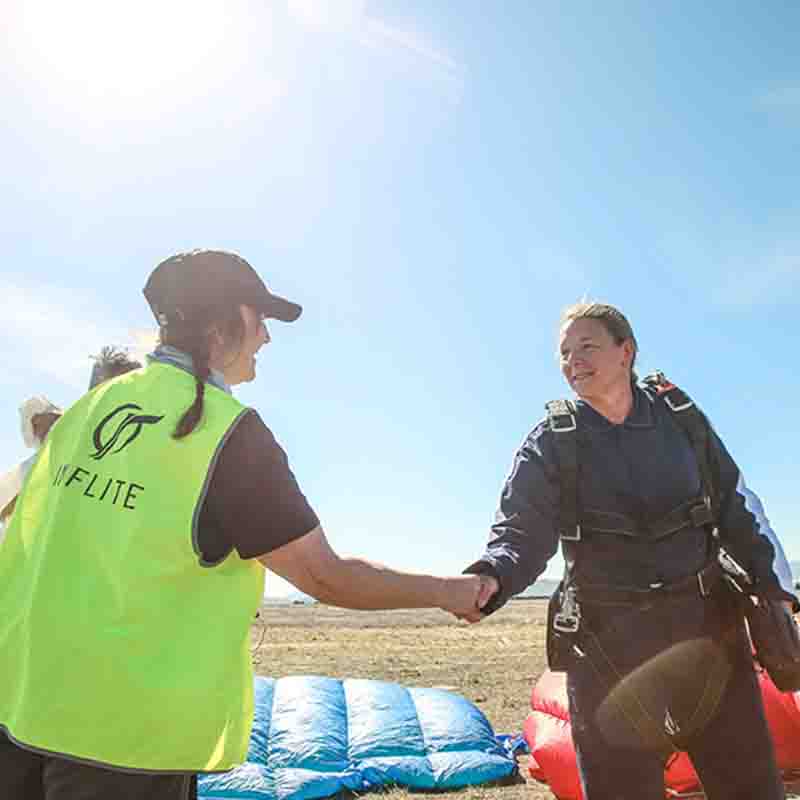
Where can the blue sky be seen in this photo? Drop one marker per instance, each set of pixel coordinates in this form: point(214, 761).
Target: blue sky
point(433, 182)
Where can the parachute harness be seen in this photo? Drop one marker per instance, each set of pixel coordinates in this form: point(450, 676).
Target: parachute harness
point(564, 612)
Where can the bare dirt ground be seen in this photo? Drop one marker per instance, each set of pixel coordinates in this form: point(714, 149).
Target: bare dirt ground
point(493, 664)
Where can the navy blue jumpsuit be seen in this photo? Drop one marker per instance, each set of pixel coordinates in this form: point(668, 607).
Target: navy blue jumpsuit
point(644, 468)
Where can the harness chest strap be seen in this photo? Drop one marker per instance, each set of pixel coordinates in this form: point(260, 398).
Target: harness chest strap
point(693, 513)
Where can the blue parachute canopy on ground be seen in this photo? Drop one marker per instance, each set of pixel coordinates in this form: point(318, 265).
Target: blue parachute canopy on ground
point(313, 737)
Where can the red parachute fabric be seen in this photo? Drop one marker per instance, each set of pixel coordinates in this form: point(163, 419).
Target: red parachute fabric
point(549, 736)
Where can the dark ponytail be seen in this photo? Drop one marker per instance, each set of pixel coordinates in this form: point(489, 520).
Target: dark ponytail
point(195, 340)
point(192, 416)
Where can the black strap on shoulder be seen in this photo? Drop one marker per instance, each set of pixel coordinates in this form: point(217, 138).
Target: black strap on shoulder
point(695, 425)
point(563, 423)
point(562, 418)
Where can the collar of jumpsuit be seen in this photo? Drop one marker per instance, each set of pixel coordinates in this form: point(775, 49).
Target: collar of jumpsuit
point(641, 415)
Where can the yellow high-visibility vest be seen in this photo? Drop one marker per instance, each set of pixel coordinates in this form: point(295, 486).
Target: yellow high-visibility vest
point(118, 646)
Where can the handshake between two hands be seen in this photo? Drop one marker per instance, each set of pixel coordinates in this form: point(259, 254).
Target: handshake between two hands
point(468, 594)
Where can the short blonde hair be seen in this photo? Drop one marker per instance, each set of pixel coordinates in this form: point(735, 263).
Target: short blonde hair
point(612, 319)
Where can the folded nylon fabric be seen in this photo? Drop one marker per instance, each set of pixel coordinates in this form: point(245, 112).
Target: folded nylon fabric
point(315, 736)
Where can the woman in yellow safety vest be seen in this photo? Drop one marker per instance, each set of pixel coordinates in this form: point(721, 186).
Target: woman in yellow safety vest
point(134, 562)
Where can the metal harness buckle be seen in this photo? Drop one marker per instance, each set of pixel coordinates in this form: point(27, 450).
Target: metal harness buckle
point(567, 427)
point(665, 388)
point(676, 406)
point(567, 623)
point(701, 514)
point(570, 537)
point(568, 619)
point(562, 416)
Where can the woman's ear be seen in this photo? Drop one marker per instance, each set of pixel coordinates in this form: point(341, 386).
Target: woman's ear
point(628, 353)
point(216, 343)
point(249, 317)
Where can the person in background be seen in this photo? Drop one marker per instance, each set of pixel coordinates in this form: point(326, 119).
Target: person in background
point(38, 415)
point(111, 362)
point(150, 517)
point(652, 640)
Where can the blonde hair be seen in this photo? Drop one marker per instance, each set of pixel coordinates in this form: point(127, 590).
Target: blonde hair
point(611, 318)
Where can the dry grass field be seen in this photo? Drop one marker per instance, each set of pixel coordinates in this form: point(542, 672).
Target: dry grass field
point(494, 664)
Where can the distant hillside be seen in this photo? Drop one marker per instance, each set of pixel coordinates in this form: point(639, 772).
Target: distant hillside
point(795, 567)
point(544, 587)
point(293, 598)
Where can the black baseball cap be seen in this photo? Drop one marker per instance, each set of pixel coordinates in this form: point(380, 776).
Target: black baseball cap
point(188, 285)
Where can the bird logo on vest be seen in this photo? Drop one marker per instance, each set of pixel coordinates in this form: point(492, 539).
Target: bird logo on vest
point(130, 425)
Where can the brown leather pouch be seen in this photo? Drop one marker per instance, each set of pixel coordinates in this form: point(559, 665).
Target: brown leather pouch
point(776, 639)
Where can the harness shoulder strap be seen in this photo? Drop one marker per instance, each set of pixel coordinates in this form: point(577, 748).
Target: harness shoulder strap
point(695, 425)
point(562, 419)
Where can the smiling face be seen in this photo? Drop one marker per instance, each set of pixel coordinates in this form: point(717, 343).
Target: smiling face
point(593, 364)
point(239, 362)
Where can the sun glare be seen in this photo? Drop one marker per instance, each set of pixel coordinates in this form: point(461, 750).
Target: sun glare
point(334, 15)
point(124, 56)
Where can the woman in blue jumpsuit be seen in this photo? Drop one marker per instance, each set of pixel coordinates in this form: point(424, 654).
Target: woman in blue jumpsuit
point(661, 660)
